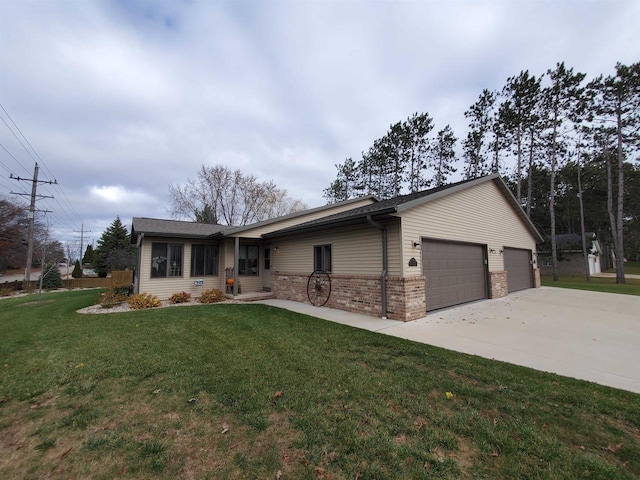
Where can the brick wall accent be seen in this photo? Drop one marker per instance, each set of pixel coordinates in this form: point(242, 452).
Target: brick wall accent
point(498, 284)
point(406, 298)
point(360, 294)
point(536, 278)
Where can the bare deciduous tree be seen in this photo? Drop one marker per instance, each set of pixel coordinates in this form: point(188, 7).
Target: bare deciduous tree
point(220, 195)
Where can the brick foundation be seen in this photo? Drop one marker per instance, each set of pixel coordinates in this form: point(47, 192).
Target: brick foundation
point(498, 284)
point(360, 294)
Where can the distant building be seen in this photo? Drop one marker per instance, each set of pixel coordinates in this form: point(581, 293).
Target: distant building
point(570, 258)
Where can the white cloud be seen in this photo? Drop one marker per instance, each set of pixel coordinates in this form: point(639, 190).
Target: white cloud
point(123, 98)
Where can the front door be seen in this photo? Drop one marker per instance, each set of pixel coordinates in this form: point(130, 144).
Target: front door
point(266, 272)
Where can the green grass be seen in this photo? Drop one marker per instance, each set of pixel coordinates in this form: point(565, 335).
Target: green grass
point(243, 391)
point(632, 268)
point(596, 284)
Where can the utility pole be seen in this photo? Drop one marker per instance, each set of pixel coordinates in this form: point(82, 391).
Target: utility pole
point(82, 230)
point(32, 211)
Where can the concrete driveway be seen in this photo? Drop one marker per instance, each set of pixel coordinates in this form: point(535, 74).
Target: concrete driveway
point(587, 335)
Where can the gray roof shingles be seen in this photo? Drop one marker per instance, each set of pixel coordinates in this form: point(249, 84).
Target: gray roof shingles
point(174, 228)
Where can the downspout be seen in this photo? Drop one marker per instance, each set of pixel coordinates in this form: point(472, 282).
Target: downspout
point(236, 265)
point(383, 274)
point(139, 262)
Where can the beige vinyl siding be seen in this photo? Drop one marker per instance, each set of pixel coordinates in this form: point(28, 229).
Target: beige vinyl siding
point(290, 222)
point(355, 250)
point(163, 288)
point(480, 214)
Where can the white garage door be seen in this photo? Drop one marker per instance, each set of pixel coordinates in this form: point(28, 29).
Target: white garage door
point(455, 273)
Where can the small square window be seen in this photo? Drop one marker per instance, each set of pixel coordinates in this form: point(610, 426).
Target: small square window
point(322, 258)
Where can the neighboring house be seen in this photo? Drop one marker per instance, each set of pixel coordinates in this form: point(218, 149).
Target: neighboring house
point(396, 258)
point(570, 257)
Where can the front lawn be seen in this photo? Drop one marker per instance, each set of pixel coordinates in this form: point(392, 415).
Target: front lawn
point(597, 284)
point(629, 268)
point(251, 391)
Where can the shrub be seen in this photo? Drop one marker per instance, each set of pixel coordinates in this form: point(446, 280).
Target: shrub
point(140, 301)
point(51, 277)
point(211, 296)
point(6, 291)
point(112, 298)
point(180, 297)
point(125, 290)
point(77, 270)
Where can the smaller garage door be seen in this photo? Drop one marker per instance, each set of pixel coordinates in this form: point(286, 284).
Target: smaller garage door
point(517, 263)
point(455, 273)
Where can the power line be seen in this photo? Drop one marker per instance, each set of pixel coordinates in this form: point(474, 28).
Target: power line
point(11, 155)
point(14, 134)
point(64, 195)
point(67, 210)
point(32, 211)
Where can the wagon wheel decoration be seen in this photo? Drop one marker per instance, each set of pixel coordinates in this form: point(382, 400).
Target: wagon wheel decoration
point(319, 288)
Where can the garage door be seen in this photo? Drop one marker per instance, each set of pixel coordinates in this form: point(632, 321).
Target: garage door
point(455, 273)
point(517, 263)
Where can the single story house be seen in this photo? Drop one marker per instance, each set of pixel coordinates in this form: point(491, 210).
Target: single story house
point(397, 258)
point(570, 257)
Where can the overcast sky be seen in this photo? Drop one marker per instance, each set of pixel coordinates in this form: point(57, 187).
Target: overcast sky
point(122, 98)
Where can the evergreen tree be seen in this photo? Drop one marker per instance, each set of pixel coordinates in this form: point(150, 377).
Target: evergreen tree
point(519, 117)
point(88, 255)
point(417, 129)
point(345, 185)
point(77, 270)
point(114, 250)
point(616, 105)
point(562, 103)
point(50, 277)
point(480, 125)
point(443, 156)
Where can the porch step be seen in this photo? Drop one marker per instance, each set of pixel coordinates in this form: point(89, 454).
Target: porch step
point(251, 296)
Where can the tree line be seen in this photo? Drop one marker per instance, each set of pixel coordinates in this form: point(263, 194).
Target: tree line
point(14, 221)
point(562, 143)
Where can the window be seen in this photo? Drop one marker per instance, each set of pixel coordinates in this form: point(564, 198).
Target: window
point(166, 260)
point(204, 260)
point(267, 259)
point(322, 258)
point(248, 261)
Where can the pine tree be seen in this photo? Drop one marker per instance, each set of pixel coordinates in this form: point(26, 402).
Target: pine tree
point(344, 186)
point(88, 255)
point(443, 156)
point(562, 103)
point(522, 94)
point(77, 270)
point(51, 277)
point(616, 102)
point(476, 143)
point(114, 250)
point(417, 129)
